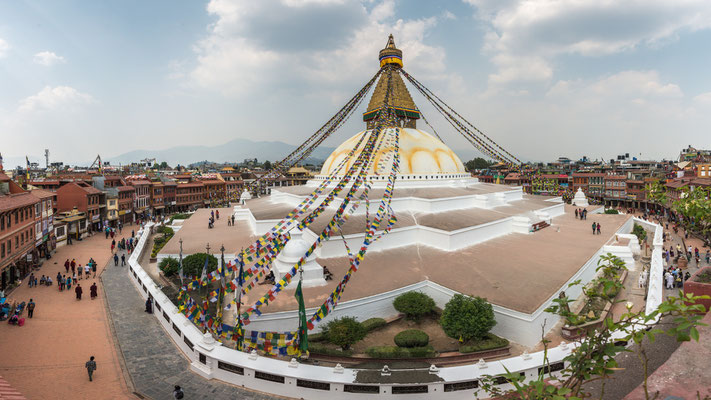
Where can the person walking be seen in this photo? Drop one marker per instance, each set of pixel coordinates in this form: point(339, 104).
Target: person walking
point(73, 264)
point(576, 213)
point(93, 291)
point(66, 265)
point(30, 308)
point(69, 283)
point(78, 290)
point(178, 392)
point(593, 227)
point(80, 272)
point(598, 228)
point(123, 259)
point(90, 367)
point(233, 220)
point(116, 258)
point(87, 270)
point(31, 281)
point(93, 266)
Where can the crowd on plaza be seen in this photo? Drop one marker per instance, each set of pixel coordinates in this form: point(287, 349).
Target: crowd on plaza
point(582, 214)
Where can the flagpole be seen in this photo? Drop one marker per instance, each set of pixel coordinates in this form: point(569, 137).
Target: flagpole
point(240, 283)
point(180, 262)
point(203, 287)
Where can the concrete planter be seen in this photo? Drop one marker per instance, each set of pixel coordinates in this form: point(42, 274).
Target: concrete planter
point(699, 288)
point(578, 331)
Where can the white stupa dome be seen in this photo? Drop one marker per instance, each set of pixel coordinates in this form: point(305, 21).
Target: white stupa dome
point(420, 153)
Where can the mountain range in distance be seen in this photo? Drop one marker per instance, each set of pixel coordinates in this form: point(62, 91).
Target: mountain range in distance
point(236, 151)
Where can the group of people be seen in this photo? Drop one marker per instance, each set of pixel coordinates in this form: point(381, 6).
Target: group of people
point(674, 277)
point(596, 228)
point(691, 253)
point(109, 231)
point(581, 213)
point(77, 271)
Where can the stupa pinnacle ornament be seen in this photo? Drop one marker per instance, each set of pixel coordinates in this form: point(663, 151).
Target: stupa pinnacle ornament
point(400, 99)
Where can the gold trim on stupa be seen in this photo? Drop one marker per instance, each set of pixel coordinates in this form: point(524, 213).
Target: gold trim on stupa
point(400, 99)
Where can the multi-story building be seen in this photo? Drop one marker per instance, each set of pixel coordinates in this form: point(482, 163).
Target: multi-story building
point(157, 191)
point(141, 197)
point(17, 231)
point(615, 189)
point(234, 185)
point(190, 196)
point(636, 194)
point(112, 206)
point(215, 189)
point(126, 196)
point(592, 183)
point(44, 221)
point(703, 170)
point(85, 198)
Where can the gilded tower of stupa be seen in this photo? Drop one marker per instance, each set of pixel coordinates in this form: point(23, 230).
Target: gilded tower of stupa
point(405, 109)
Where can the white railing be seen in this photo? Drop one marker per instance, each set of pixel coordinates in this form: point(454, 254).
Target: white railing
point(213, 361)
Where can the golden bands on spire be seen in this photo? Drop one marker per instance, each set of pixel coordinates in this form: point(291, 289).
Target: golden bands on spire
point(390, 54)
point(400, 99)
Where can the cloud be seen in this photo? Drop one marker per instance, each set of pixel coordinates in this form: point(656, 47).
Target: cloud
point(274, 45)
point(51, 98)
point(539, 30)
point(48, 58)
point(4, 47)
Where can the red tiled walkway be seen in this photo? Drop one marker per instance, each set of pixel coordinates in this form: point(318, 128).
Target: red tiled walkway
point(45, 358)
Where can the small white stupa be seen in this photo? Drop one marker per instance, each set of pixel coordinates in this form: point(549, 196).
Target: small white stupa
point(580, 200)
point(245, 196)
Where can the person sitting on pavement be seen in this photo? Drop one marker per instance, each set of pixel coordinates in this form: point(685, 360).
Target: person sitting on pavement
point(327, 275)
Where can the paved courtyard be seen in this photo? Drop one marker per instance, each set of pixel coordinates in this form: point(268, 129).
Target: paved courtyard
point(45, 358)
point(151, 358)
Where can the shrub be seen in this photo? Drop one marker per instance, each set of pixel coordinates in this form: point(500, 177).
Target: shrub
point(639, 231)
point(414, 305)
point(372, 324)
point(169, 266)
point(165, 230)
point(489, 342)
point(412, 338)
point(193, 264)
point(611, 211)
point(345, 331)
point(400, 352)
point(466, 318)
point(316, 337)
point(320, 348)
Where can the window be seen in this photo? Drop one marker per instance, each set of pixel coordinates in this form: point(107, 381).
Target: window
point(2, 250)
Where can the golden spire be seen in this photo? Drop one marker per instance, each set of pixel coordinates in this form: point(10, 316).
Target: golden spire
point(405, 109)
point(390, 54)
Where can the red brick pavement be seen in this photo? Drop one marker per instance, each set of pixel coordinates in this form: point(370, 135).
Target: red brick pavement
point(45, 358)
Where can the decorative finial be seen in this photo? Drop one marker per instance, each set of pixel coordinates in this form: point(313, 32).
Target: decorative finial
point(390, 54)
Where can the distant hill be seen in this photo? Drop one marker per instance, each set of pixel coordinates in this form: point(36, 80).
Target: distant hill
point(236, 150)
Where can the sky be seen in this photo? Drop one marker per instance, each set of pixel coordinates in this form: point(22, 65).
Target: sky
point(543, 78)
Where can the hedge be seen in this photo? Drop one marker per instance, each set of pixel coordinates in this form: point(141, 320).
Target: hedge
point(611, 211)
point(489, 342)
point(412, 338)
point(400, 352)
point(319, 348)
point(169, 266)
point(414, 305)
point(372, 324)
point(193, 264)
point(344, 332)
point(466, 318)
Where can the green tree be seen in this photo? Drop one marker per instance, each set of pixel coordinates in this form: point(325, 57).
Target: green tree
point(344, 332)
point(657, 193)
point(164, 165)
point(594, 357)
point(193, 264)
point(695, 208)
point(169, 266)
point(466, 318)
point(478, 163)
point(267, 165)
point(414, 305)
